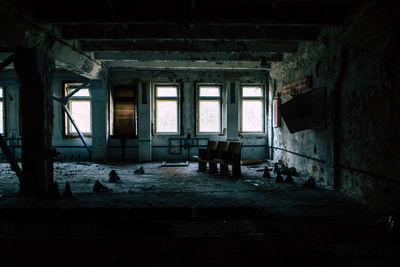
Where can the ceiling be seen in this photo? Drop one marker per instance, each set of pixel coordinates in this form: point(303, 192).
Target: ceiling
point(187, 34)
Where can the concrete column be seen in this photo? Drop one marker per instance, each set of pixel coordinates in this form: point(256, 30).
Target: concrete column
point(12, 106)
point(98, 92)
point(35, 70)
point(188, 115)
point(144, 121)
point(233, 111)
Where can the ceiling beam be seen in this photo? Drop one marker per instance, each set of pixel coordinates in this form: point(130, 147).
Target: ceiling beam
point(189, 45)
point(199, 11)
point(173, 56)
point(189, 31)
point(23, 33)
point(189, 65)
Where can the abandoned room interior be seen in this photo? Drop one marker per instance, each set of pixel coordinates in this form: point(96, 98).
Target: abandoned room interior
point(192, 133)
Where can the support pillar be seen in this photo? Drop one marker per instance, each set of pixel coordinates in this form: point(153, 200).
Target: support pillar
point(144, 122)
point(35, 70)
point(233, 112)
point(98, 92)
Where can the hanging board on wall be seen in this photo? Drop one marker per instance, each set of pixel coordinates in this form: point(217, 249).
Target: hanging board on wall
point(306, 111)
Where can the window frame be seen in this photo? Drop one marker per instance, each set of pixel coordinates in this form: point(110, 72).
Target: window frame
point(199, 98)
point(178, 106)
point(65, 127)
point(259, 98)
point(3, 99)
point(112, 106)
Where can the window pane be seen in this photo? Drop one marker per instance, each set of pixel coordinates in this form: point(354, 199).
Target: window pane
point(80, 111)
point(82, 92)
point(209, 116)
point(252, 91)
point(209, 91)
point(1, 118)
point(252, 116)
point(1, 92)
point(167, 116)
point(168, 91)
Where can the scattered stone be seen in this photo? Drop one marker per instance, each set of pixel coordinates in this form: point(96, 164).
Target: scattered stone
point(67, 191)
point(266, 173)
point(310, 183)
point(280, 162)
point(293, 171)
point(140, 170)
point(276, 168)
point(99, 187)
point(279, 178)
point(289, 179)
point(285, 170)
point(113, 177)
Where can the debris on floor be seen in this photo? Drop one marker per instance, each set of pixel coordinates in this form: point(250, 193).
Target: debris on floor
point(67, 191)
point(99, 187)
point(113, 177)
point(140, 170)
point(253, 161)
point(83, 163)
point(279, 178)
point(175, 164)
point(310, 183)
point(266, 173)
point(289, 179)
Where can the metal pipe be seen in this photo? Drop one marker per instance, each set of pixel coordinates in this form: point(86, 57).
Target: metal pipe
point(67, 97)
point(78, 131)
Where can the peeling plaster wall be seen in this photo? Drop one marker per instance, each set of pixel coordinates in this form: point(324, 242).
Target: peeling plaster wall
point(360, 61)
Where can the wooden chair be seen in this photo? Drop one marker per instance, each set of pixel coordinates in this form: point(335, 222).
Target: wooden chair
point(222, 148)
point(230, 156)
point(207, 155)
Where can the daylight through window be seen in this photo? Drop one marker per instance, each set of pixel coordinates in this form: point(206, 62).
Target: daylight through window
point(80, 108)
point(252, 109)
point(166, 109)
point(209, 109)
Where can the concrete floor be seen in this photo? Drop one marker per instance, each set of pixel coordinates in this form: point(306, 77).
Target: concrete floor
point(177, 216)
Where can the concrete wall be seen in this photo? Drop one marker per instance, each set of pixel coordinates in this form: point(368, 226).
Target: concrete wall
point(358, 65)
point(254, 145)
point(147, 145)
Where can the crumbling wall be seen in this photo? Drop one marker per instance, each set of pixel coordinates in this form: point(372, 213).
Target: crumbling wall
point(358, 63)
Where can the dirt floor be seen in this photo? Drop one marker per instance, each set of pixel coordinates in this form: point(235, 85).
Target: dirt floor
point(176, 216)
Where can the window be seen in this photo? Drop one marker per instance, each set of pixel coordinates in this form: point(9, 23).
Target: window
point(167, 108)
point(79, 107)
point(2, 111)
point(209, 109)
point(252, 103)
point(124, 122)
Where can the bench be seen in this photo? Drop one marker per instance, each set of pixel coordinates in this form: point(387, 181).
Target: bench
point(222, 153)
point(207, 155)
point(230, 156)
